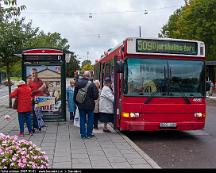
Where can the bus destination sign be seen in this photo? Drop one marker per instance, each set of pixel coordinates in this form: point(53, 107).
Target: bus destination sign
point(42, 58)
point(166, 46)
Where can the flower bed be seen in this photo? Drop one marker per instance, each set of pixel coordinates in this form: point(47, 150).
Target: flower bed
point(18, 154)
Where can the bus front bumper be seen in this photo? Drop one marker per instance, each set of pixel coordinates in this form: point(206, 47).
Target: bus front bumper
point(156, 126)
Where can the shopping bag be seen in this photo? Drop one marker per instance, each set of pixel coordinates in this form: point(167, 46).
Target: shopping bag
point(77, 118)
point(39, 116)
point(15, 104)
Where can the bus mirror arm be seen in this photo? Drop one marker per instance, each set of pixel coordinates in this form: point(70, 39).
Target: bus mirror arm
point(119, 66)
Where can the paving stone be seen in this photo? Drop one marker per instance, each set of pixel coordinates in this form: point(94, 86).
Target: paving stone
point(131, 151)
point(49, 151)
point(80, 156)
point(95, 158)
point(61, 159)
point(60, 165)
point(65, 154)
point(101, 165)
point(136, 161)
point(81, 166)
point(78, 151)
point(121, 165)
point(132, 156)
point(80, 161)
point(117, 159)
point(141, 166)
point(47, 144)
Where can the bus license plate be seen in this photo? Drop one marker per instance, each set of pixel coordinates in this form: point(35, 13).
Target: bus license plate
point(167, 124)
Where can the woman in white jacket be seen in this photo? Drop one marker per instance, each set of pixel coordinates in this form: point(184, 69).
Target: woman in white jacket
point(106, 104)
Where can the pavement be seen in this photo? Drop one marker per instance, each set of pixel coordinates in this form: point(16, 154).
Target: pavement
point(65, 149)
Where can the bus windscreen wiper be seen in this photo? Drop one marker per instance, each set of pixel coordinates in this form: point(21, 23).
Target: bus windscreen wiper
point(150, 97)
point(186, 99)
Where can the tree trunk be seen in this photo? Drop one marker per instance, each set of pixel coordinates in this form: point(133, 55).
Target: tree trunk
point(9, 86)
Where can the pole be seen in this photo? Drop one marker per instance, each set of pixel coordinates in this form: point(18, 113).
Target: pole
point(140, 31)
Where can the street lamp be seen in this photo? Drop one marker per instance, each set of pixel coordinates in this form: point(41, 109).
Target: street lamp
point(140, 29)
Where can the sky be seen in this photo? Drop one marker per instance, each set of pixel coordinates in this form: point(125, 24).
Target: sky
point(94, 26)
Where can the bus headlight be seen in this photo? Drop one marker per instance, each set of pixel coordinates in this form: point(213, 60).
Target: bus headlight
point(130, 115)
point(133, 114)
point(199, 114)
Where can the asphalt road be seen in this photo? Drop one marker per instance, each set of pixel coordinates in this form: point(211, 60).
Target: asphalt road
point(173, 149)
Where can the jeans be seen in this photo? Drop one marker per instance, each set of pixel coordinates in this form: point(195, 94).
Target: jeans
point(22, 116)
point(85, 132)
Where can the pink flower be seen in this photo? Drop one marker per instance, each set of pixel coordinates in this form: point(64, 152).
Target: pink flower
point(14, 158)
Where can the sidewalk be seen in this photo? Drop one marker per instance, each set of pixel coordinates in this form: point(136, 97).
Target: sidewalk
point(65, 148)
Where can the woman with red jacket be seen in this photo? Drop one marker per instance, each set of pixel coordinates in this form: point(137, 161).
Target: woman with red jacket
point(24, 107)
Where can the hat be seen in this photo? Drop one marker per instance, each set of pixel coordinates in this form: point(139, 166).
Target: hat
point(107, 80)
point(21, 82)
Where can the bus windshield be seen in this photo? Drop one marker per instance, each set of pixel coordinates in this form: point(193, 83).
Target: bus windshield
point(162, 77)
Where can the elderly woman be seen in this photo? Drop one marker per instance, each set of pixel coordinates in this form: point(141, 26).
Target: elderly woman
point(96, 110)
point(70, 100)
point(106, 104)
point(24, 107)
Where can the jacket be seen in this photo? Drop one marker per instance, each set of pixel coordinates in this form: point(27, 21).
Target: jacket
point(70, 100)
point(23, 94)
point(92, 95)
point(106, 101)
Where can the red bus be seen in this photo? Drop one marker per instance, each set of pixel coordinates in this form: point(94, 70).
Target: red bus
point(159, 84)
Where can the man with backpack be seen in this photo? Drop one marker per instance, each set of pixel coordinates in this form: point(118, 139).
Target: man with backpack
point(85, 94)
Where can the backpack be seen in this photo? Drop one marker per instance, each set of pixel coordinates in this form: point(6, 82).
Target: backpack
point(82, 92)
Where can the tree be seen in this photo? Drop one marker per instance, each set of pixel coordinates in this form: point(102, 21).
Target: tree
point(196, 20)
point(14, 34)
point(86, 62)
point(87, 67)
point(49, 40)
point(72, 66)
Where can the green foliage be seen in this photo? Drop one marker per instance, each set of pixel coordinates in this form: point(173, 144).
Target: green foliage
point(196, 20)
point(72, 66)
point(87, 67)
point(50, 40)
point(86, 62)
point(10, 9)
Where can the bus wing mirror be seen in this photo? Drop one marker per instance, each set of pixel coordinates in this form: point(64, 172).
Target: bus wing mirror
point(119, 66)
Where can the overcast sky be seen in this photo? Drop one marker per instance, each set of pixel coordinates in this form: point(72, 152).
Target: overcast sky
point(94, 26)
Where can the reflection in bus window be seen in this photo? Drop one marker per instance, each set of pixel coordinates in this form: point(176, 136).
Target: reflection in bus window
point(164, 77)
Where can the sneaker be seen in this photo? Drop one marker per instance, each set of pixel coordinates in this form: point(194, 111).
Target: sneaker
point(106, 130)
point(30, 134)
point(91, 136)
point(21, 134)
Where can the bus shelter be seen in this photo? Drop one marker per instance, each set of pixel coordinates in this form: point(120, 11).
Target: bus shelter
point(50, 66)
point(211, 68)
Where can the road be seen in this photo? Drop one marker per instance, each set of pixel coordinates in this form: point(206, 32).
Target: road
point(190, 149)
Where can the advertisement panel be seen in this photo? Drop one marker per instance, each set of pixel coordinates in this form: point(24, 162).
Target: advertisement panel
point(49, 85)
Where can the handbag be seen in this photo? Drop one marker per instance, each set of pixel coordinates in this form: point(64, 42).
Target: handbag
point(77, 118)
point(15, 103)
